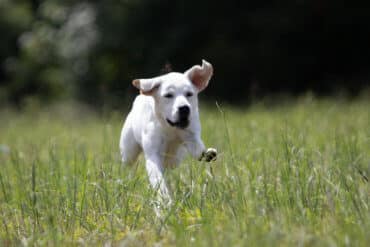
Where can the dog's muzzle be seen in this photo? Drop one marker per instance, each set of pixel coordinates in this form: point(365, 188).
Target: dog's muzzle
point(183, 122)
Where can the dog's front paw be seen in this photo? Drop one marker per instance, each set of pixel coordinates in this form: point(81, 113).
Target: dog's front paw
point(209, 155)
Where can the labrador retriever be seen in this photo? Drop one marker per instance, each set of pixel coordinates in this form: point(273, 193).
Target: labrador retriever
point(164, 123)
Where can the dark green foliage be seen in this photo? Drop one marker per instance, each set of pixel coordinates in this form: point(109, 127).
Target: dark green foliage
point(91, 50)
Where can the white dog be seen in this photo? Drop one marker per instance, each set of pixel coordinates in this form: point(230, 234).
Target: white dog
point(164, 123)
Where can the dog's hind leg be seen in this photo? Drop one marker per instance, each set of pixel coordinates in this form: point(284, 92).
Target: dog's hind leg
point(129, 148)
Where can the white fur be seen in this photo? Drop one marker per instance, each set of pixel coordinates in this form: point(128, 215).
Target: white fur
point(148, 126)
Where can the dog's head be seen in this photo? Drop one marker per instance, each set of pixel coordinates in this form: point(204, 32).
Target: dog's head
point(175, 94)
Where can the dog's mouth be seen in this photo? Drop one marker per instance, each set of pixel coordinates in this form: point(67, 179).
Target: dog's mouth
point(182, 123)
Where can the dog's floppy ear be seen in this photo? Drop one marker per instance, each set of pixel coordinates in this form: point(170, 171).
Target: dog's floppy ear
point(147, 86)
point(200, 76)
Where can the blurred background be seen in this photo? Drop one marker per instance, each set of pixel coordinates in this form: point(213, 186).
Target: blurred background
point(89, 51)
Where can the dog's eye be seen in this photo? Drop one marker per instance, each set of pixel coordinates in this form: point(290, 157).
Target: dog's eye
point(168, 95)
point(189, 94)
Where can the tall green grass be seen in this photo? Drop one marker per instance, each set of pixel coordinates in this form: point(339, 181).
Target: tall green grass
point(288, 175)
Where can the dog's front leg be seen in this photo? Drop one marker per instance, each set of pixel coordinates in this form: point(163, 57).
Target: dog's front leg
point(195, 146)
point(155, 173)
point(197, 149)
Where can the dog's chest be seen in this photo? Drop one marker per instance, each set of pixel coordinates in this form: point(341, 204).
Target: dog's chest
point(170, 152)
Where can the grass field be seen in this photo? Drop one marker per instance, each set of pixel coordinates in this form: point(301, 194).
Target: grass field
point(295, 174)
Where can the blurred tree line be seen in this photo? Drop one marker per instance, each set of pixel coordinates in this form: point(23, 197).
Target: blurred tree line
point(91, 50)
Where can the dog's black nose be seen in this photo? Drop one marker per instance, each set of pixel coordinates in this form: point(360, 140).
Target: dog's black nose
point(184, 111)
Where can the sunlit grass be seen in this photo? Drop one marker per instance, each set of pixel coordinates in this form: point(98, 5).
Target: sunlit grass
point(294, 174)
